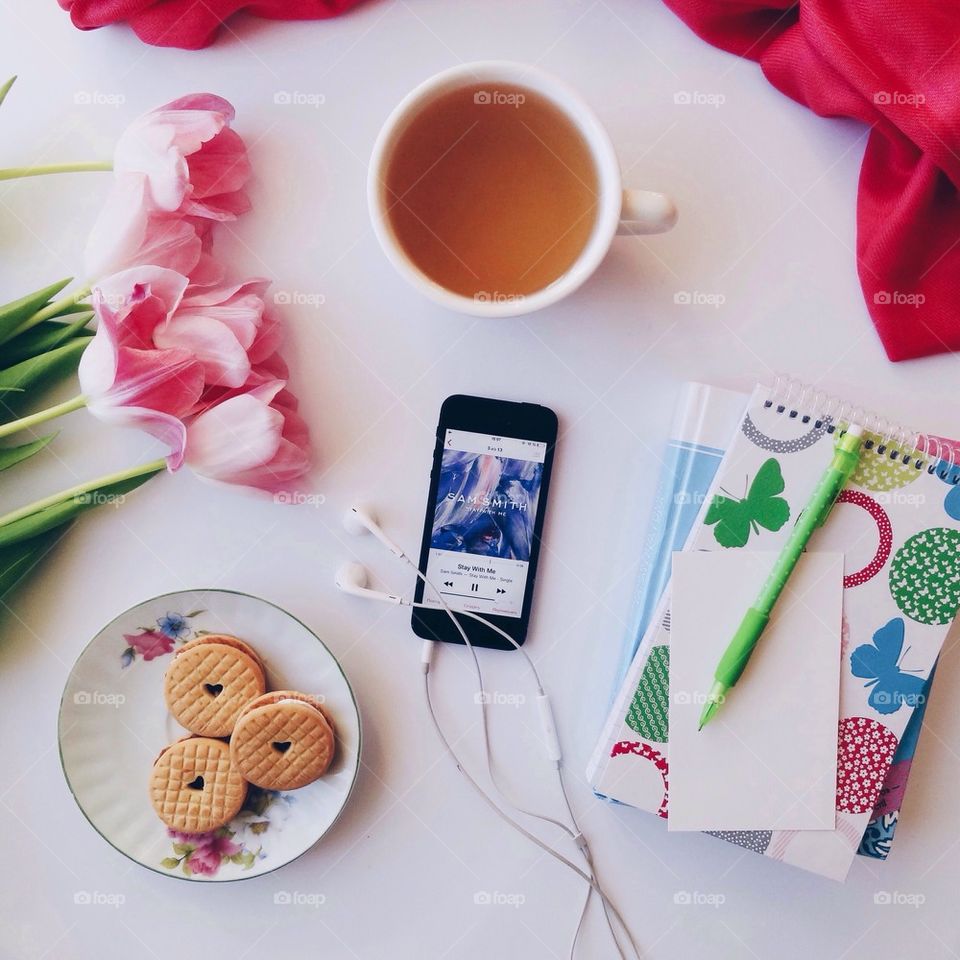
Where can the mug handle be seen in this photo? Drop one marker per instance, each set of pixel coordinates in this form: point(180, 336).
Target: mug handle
point(644, 211)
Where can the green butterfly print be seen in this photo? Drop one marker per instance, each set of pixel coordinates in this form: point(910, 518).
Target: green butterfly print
point(760, 507)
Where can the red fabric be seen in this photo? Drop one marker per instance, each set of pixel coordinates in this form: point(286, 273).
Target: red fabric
point(893, 64)
point(192, 24)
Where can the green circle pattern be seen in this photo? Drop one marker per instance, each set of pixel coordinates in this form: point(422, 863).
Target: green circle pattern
point(877, 472)
point(925, 576)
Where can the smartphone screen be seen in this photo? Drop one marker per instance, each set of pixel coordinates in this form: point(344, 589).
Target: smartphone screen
point(482, 530)
point(483, 521)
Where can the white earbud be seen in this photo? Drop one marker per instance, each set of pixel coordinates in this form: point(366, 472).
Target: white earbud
point(352, 577)
point(359, 520)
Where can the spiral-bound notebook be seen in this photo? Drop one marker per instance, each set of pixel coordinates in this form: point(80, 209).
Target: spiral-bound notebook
point(898, 525)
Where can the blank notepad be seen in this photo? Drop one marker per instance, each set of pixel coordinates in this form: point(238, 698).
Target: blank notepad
point(768, 758)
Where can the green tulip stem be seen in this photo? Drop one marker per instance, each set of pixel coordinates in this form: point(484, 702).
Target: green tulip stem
point(154, 466)
point(17, 173)
point(53, 309)
point(58, 410)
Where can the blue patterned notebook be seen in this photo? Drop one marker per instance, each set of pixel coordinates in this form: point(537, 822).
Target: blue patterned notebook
point(707, 418)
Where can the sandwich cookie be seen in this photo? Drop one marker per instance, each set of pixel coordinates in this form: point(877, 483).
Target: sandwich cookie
point(282, 740)
point(209, 681)
point(195, 786)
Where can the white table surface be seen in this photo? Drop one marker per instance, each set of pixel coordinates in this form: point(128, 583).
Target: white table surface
point(766, 192)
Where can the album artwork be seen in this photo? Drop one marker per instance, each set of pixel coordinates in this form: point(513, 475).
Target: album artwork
point(486, 505)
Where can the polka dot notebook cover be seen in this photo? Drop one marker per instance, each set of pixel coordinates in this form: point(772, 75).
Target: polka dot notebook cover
point(898, 525)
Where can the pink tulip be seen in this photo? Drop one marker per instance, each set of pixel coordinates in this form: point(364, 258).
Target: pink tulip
point(193, 162)
point(224, 328)
point(265, 371)
point(128, 233)
point(124, 376)
point(177, 168)
point(254, 439)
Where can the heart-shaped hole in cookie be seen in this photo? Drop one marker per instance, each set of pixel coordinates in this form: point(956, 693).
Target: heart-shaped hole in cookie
point(281, 746)
point(196, 784)
point(214, 689)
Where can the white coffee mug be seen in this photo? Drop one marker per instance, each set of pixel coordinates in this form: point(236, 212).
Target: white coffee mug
point(619, 210)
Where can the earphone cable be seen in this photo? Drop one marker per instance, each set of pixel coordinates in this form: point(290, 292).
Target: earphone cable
point(460, 766)
point(590, 880)
point(587, 853)
point(483, 707)
point(357, 518)
point(575, 834)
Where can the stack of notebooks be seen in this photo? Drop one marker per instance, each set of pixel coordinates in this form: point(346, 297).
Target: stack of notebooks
point(809, 760)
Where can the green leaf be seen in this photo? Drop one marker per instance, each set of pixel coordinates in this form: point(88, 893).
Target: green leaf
point(17, 560)
point(80, 306)
point(170, 863)
point(44, 337)
point(183, 849)
point(10, 456)
point(54, 516)
point(14, 313)
point(5, 89)
point(38, 371)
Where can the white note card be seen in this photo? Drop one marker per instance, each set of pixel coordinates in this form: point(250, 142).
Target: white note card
point(767, 760)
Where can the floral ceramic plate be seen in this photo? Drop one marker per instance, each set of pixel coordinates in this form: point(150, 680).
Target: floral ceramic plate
point(114, 723)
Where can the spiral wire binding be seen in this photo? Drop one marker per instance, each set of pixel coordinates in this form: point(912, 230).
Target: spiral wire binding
point(794, 398)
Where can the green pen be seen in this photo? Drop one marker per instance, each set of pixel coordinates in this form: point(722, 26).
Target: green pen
point(846, 455)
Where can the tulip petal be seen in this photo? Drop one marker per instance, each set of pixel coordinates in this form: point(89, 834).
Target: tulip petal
point(222, 356)
point(149, 147)
point(166, 380)
point(236, 436)
point(288, 464)
point(273, 367)
point(169, 430)
point(239, 307)
point(98, 365)
point(209, 298)
point(254, 439)
point(158, 144)
point(294, 426)
point(208, 272)
point(220, 166)
point(170, 243)
point(166, 285)
point(202, 101)
point(267, 342)
point(119, 230)
point(186, 131)
point(224, 206)
point(126, 233)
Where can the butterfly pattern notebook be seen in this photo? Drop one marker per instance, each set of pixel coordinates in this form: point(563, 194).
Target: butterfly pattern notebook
point(897, 524)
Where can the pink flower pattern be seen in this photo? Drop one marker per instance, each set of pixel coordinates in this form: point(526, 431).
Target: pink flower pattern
point(149, 644)
point(158, 640)
point(203, 854)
